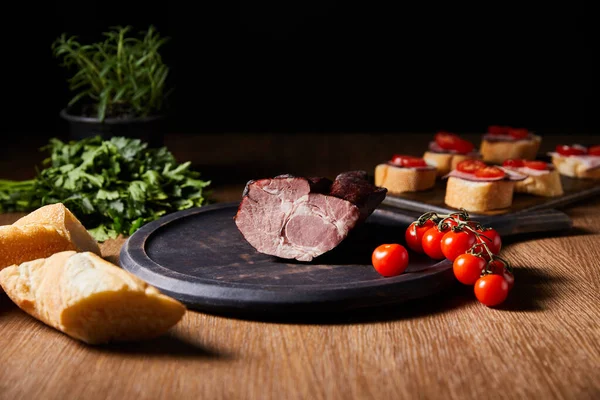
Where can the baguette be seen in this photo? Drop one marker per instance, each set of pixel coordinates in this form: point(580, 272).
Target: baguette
point(90, 299)
point(444, 162)
point(479, 196)
point(496, 152)
point(546, 185)
point(399, 180)
point(45, 231)
point(574, 167)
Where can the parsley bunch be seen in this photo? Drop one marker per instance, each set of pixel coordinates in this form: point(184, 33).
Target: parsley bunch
point(113, 186)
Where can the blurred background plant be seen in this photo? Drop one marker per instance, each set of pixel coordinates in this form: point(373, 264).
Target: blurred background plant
point(123, 76)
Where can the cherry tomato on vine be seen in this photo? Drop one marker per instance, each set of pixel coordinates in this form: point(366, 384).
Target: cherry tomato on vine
point(539, 165)
point(414, 235)
point(431, 243)
point(566, 150)
point(491, 290)
point(498, 268)
point(467, 268)
point(492, 239)
point(489, 172)
point(454, 244)
point(514, 163)
point(470, 166)
point(390, 259)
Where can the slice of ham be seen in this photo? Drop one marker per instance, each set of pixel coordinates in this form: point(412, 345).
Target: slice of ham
point(436, 148)
point(506, 138)
point(510, 175)
point(590, 162)
point(531, 171)
point(425, 168)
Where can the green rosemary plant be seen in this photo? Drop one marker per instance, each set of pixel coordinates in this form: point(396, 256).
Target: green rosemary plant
point(123, 76)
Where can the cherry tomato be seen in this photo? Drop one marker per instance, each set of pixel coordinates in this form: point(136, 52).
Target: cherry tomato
point(470, 166)
point(408, 161)
point(467, 268)
point(414, 235)
point(594, 151)
point(489, 172)
point(390, 259)
point(539, 165)
point(491, 290)
point(450, 141)
point(514, 163)
point(492, 239)
point(498, 268)
point(566, 150)
point(498, 130)
point(431, 243)
point(518, 133)
point(454, 244)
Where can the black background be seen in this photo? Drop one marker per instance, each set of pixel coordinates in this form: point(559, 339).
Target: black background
point(290, 66)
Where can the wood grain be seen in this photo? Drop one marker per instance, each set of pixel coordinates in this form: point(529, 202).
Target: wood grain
point(543, 344)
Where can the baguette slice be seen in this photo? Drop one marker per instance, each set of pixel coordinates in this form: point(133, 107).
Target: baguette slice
point(45, 231)
point(90, 299)
point(479, 196)
point(500, 151)
point(574, 167)
point(547, 185)
point(399, 180)
point(444, 162)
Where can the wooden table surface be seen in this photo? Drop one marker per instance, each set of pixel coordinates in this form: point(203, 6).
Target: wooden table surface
point(544, 343)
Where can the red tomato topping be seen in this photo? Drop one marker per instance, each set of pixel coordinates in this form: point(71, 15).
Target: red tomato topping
point(566, 150)
point(470, 166)
point(498, 130)
point(539, 165)
point(518, 133)
point(514, 163)
point(498, 268)
point(390, 259)
point(450, 141)
point(408, 161)
point(489, 172)
point(594, 151)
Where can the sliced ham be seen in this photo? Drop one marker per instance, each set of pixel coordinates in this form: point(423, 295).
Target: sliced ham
point(302, 218)
point(506, 138)
point(590, 162)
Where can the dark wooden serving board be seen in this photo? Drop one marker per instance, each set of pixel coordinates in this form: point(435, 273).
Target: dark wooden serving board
point(199, 257)
point(433, 200)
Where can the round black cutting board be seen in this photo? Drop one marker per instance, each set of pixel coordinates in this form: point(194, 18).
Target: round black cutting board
point(199, 257)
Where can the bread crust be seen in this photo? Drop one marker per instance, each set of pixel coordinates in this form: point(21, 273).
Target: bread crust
point(479, 196)
point(445, 162)
point(399, 180)
point(498, 152)
point(571, 166)
point(547, 185)
point(43, 232)
point(90, 299)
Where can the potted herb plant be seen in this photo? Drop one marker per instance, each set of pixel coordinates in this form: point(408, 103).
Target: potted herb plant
point(120, 85)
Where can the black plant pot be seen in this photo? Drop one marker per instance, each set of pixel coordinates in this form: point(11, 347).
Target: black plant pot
point(148, 129)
